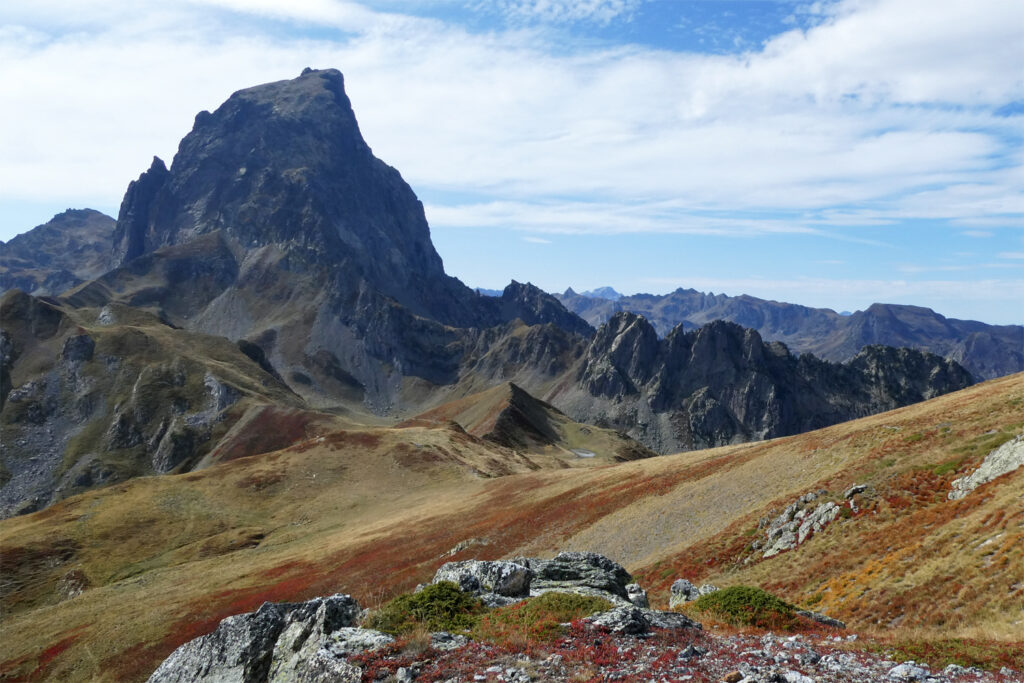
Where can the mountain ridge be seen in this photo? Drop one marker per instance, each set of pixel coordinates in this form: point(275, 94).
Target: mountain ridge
point(987, 351)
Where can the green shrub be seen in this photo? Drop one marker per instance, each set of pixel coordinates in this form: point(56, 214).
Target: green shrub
point(536, 620)
point(747, 606)
point(438, 607)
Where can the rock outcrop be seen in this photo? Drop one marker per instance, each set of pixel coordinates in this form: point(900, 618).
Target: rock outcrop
point(682, 592)
point(1000, 461)
point(798, 522)
point(307, 642)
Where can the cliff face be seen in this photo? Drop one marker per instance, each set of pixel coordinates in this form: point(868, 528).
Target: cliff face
point(722, 384)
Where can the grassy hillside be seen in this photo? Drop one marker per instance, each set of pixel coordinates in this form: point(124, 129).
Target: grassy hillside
point(105, 584)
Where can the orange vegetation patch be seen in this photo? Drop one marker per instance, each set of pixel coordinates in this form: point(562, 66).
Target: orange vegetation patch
point(270, 430)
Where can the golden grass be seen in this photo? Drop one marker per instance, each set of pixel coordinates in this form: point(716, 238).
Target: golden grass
point(374, 511)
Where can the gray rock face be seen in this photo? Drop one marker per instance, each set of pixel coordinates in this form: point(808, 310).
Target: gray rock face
point(499, 579)
point(575, 570)
point(1000, 461)
point(722, 384)
point(295, 643)
point(239, 650)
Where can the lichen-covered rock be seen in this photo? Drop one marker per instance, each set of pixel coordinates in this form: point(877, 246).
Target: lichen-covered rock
point(797, 523)
point(637, 595)
point(240, 650)
point(682, 591)
point(305, 642)
point(821, 618)
point(635, 620)
point(480, 577)
point(310, 628)
point(1000, 461)
point(817, 520)
point(571, 570)
point(628, 620)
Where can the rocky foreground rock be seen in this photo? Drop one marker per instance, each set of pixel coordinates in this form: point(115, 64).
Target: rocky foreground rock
point(320, 641)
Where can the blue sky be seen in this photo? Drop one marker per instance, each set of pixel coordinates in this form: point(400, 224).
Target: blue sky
point(829, 153)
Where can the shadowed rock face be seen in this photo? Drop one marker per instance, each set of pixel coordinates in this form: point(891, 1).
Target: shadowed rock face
point(284, 164)
point(722, 384)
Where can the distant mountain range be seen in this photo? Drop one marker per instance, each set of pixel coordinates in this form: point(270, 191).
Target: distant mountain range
point(278, 272)
point(987, 351)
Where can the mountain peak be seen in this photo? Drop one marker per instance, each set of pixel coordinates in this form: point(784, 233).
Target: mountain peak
point(284, 164)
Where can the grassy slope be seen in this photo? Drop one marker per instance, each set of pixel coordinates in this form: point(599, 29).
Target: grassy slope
point(372, 512)
point(508, 415)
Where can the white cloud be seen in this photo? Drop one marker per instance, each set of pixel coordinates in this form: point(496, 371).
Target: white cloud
point(857, 121)
point(1012, 254)
point(536, 240)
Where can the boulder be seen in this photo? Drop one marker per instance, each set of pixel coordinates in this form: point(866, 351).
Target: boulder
point(821, 618)
point(637, 595)
point(572, 570)
point(287, 642)
point(496, 582)
point(682, 591)
point(635, 620)
point(501, 577)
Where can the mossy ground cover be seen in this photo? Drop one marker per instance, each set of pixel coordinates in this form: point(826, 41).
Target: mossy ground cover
point(443, 607)
point(537, 620)
point(438, 607)
point(749, 606)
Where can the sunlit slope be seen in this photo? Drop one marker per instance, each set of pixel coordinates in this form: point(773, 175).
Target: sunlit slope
point(159, 560)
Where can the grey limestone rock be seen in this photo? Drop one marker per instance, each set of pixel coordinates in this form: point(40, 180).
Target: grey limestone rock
point(1000, 461)
point(442, 640)
point(503, 578)
point(822, 618)
point(908, 671)
point(627, 620)
point(294, 643)
point(239, 650)
point(798, 522)
point(682, 591)
point(580, 570)
point(632, 620)
point(637, 595)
